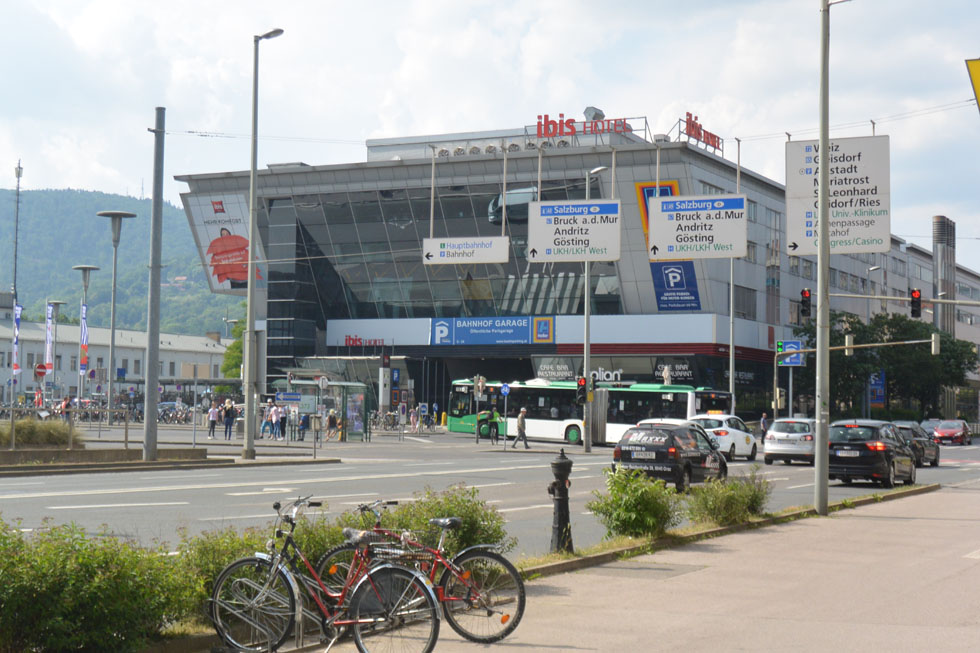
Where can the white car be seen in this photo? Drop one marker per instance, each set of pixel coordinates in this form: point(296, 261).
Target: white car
point(790, 439)
point(733, 436)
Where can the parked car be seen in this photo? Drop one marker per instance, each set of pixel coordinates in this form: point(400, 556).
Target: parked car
point(923, 445)
point(733, 436)
point(869, 449)
point(952, 431)
point(678, 451)
point(789, 439)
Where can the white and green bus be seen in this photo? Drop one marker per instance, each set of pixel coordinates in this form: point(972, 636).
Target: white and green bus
point(552, 413)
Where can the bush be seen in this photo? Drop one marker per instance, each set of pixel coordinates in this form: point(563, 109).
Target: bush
point(63, 590)
point(635, 504)
point(35, 432)
point(733, 501)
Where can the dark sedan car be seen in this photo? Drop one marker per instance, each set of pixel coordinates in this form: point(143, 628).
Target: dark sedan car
point(677, 451)
point(952, 431)
point(872, 450)
point(923, 446)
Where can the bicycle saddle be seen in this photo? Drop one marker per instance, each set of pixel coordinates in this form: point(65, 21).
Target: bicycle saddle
point(448, 523)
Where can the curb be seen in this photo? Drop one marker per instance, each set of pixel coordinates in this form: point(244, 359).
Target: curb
point(148, 466)
point(670, 541)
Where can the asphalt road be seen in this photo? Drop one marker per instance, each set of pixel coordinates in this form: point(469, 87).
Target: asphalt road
point(152, 506)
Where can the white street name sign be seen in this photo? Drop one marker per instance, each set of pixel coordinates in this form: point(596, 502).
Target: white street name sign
point(859, 201)
point(573, 230)
point(707, 226)
point(463, 251)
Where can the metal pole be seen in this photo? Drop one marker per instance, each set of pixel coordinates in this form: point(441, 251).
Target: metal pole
point(249, 340)
point(151, 364)
point(194, 411)
point(823, 289)
point(731, 291)
point(18, 172)
point(789, 395)
point(116, 218)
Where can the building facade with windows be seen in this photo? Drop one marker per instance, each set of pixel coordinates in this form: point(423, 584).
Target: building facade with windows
point(343, 276)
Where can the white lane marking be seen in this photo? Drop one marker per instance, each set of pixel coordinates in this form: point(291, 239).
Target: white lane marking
point(491, 485)
point(22, 483)
point(301, 481)
point(264, 515)
point(427, 464)
point(265, 490)
point(543, 505)
point(975, 555)
point(182, 476)
point(797, 487)
point(120, 505)
point(425, 440)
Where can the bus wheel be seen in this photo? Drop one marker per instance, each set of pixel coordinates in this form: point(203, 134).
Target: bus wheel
point(573, 435)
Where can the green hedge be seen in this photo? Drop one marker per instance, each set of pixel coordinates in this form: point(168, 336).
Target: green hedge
point(62, 589)
point(34, 432)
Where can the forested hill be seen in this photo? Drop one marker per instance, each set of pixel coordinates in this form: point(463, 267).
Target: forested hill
point(59, 229)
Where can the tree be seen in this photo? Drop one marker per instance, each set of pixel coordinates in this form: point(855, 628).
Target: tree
point(231, 365)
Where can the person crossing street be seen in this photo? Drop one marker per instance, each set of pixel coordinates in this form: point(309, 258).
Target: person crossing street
point(521, 429)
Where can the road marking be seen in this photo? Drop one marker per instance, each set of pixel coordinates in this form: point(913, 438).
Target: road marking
point(975, 555)
point(264, 515)
point(265, 490)
point(174, 478)
point(22, 483)
point(120, 505)
point(318, 480)
point(797, 487)
point(543, 505)
point(491, 485)
point(427, 464)
point(425, 440)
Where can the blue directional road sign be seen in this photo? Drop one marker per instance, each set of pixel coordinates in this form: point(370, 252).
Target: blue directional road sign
point(289, 397)
point(505, 389)
point(796, 360)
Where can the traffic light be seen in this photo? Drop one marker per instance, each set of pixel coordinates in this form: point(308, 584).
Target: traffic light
point(805, 305)
point(780, 348)
point(916, 302)
point(581, 390)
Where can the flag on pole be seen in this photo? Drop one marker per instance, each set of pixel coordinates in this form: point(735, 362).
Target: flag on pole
point(18, 309)
point(83, 342)
point(48, 338)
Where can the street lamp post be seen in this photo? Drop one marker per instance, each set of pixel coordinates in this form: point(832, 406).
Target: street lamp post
point(867, 311)
point(55, 309)
point(587, 344)
point(249, 339)
point(116, 217)
point(86, 271)
point(229, 325)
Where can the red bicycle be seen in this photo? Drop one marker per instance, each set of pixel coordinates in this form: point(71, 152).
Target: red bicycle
point(257, 600)
point(481, 592)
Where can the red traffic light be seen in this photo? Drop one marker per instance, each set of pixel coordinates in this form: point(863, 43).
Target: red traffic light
point(916, 293)
point(805, 293)
point(581, 381)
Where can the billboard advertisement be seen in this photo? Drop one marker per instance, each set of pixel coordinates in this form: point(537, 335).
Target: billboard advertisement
point(219, 223)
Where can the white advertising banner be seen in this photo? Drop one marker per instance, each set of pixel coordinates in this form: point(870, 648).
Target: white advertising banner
point(219, 223)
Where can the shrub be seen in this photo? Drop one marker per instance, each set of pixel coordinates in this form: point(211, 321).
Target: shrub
point(733, 501)
point(62, 590)
point(635, 504)
point(35, 432)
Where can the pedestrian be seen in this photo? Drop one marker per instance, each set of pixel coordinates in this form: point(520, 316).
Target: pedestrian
point(284, 422)
point(212, 420)
point(229, 417)
point(413, 418)
point(763, 425)
point(331, 425)
point(304, 425)
point(521, 429)
point(266, 419)
point(274, 417)
point(494, 430)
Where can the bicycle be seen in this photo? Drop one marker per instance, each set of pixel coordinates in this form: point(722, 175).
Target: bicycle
point(257, 600)
point(482, 593)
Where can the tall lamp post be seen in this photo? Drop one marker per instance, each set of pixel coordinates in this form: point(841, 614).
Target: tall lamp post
point(587, 344)
point(867, 311)
point(116, 217)
point(55, 309)
point(229, 325)
point(249, 340)
point(86, 271)
point(18, 172)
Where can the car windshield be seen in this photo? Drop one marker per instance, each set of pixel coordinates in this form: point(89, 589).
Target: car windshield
point(709, 423)
point(790, 427)
point(852, 433)
point(948, 425)
point(648, 436)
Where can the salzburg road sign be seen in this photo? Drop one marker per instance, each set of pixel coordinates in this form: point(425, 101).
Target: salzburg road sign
point(708, 226)
point(573, 230)
point(859, 196)
point(463, 251)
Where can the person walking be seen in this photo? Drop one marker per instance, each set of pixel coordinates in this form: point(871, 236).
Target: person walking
point(274, 417)
point(229, 418)
point(284, 421)
point(212, 420)
point(266, 419)
point(521, 429)
point(331, 425)
point(763, 425)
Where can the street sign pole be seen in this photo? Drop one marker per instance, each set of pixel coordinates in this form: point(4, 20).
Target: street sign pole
point(789, 395)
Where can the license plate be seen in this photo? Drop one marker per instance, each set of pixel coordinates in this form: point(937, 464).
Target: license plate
point(648, 455)
point(661, 468)
point(848, 454)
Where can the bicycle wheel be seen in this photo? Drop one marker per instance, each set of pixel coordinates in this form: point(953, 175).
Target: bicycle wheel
point(485, 602)
point(251, 609)
point(397, 612)
point(333, 567)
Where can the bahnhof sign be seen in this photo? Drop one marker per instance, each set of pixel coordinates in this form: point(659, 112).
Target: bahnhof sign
point(342, 256)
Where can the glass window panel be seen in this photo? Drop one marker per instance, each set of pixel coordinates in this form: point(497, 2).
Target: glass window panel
point(336, 209)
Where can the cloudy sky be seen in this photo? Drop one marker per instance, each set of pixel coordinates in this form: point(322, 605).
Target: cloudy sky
point(81, 79)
